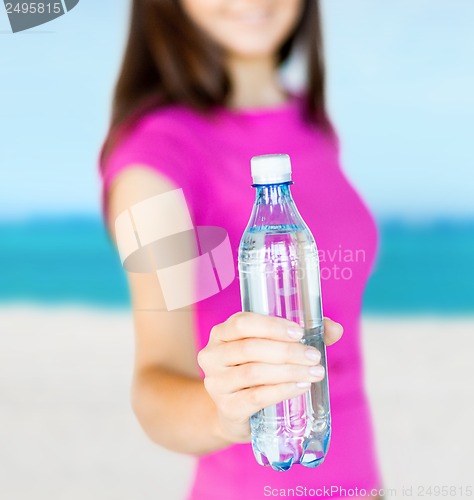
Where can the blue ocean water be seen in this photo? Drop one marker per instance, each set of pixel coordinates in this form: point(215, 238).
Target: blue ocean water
point(421, 268)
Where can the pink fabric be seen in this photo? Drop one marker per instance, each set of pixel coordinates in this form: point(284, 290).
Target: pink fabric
point(210, 159)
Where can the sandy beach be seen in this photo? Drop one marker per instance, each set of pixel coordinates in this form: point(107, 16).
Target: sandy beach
point(67, 430)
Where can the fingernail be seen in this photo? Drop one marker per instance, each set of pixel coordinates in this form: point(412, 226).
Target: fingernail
point(303, 385)
point(295, 332)
point(312, 354)
point(317, 371)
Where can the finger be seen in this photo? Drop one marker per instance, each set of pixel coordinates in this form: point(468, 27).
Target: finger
point(265, 351)
point(247, 325)
point(249, 401)
point(258, 374)
point(332, 331)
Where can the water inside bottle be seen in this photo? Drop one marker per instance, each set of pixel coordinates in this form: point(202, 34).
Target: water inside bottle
point(279, 273)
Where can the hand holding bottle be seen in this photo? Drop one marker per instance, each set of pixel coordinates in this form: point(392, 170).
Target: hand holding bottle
point(253, 361)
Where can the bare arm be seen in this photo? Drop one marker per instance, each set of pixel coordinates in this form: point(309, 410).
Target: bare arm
point(168, 395)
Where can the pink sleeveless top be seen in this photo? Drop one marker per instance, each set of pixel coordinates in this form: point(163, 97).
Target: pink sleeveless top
point(209, 158)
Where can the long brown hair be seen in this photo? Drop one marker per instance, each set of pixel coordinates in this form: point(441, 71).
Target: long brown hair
point(169, 60)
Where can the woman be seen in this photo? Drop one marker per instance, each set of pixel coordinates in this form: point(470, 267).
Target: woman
point(198, 95)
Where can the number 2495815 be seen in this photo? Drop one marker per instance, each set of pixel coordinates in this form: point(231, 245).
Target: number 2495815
point(34, 8)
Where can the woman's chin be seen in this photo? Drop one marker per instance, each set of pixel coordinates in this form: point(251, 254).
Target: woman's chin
point(252, 51)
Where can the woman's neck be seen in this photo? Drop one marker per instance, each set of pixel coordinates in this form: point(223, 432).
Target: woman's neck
point(255, 83)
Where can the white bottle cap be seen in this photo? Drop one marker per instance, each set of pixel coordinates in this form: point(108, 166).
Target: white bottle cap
point(271, 169)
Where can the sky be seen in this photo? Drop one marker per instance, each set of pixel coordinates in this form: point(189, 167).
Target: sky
point(400, 92)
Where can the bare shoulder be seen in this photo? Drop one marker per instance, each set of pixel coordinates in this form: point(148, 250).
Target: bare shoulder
point(133, 185)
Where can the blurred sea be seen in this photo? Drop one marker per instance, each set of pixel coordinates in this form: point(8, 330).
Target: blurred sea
point(422, 267)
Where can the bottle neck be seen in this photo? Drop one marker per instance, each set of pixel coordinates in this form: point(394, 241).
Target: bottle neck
point(273, 194)
point(274, 206)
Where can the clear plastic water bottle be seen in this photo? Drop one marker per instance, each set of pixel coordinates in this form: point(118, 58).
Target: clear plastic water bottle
point(279, 276)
